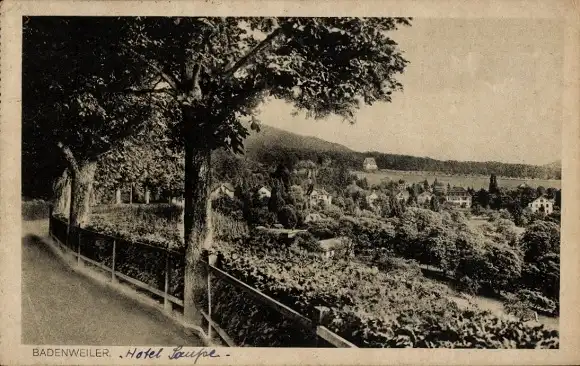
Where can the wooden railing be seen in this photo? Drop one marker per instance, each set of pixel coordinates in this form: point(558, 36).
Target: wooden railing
point(166, 261)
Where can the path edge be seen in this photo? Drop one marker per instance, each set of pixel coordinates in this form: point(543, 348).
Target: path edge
point(124, 290)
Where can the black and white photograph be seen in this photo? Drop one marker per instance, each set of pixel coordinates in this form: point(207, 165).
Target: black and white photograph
point(191, 184)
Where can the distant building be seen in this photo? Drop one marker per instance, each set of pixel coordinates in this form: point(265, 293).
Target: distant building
point(264, 192)
point(371, 198)
point(459, 196)
point(424, 198)
point(331, 246)
point(370, 164)
point(319, 196)
point(542, 204)
point(222, 189)
point(403, 196)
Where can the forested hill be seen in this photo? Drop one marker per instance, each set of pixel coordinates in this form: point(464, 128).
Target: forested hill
point(272, 145)
point(272, 137)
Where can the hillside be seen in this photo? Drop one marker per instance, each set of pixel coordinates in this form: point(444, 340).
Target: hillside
point(557, 165)
point(272, 145)
point(271, 138)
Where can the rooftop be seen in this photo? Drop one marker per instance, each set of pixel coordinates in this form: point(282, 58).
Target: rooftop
point(330, 244)
point(457, 190)
point(224, 184)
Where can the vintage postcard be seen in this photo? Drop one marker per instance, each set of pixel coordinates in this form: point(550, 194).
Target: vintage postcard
point(290, 182)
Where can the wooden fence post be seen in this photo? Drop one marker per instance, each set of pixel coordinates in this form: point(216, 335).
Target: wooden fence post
point(79, 263)
point(167, 306)
point(113, 278)
point(317, 318)
point(66, 239)
point(49, 219)
point(209, 335)
point(211, 259)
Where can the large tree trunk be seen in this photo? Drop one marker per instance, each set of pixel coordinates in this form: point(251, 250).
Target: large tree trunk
point(81, 194)
point(147, 195)
point(197, 226)
point(118, 196)
point(62, 192)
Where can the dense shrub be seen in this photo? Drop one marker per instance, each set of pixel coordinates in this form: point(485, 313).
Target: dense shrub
point(250, 323)
point(524, 303)
point(539, 239)
point(323, 229)
point(148, 212)
point(554, 217)
point(260, 216)
point(501, 230)
point(287, 217)
point(452, 329)
point(368, 233)
point(543, 275)
point(35, 209)
point(144, 228)
point(406, 268)
point(227, 228)
point(157, 224)
point(504, 267)
point(229, 206)
point(307, 242)
point(333, 211)
point(369, 307)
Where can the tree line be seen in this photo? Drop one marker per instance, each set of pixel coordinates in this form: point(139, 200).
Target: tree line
point(354, 160)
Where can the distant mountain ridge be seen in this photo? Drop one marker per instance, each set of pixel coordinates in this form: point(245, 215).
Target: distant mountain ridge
point(554, 165)
point(272, 145)
point(272, 137)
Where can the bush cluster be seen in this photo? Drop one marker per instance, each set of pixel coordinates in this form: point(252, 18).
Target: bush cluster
point(492, 257)
point(35, 209)
point(391, 307)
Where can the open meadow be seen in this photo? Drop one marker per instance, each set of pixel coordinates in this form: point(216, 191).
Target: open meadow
point(474, 181)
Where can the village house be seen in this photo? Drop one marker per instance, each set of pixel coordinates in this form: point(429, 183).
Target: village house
point(459, 196)
point(369, 164)
point(523, 185)
point(402, 196)
point(371, 198)
point(424, 198)
point(319, 196)
point(264, 192)
point(542, 204)
point(222, 189)
point(330, 246)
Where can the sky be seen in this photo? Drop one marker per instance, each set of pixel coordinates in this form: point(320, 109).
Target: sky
point(474, 90)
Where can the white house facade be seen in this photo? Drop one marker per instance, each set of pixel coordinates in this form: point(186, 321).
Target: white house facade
point(320, 197)
point(371, 198)
point(370, 164)
point(403, 196)
point(459, 196)
point(542, 204)
point(264, 193)
point(222, 189)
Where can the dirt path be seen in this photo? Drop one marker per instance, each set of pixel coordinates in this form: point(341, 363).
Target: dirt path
point(60, 306)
